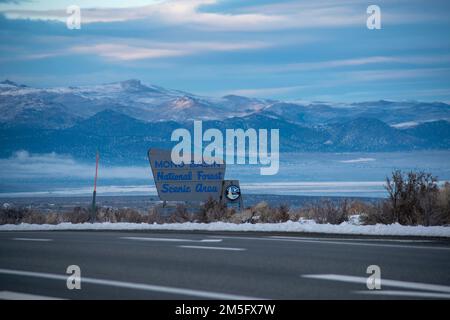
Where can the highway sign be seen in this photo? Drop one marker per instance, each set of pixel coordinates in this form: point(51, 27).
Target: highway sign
point(186, 181)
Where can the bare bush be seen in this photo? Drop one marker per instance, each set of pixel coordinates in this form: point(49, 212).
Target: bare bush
point(283, 213)
point(180, 214)
point(106, 215)
point(35, 218)
point(24, 215)
point(78, 215)
point(154, 216)
point(13, 215)
point(413, 199)
point(53, 218)
point(213, 210)
point(129, 215)
point(263, 212)
point(377, 213)
point(443, 204)
point(327, 211)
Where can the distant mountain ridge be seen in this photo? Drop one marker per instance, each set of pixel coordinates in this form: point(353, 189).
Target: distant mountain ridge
point(124, 119)
point(131, 97)
point(68, 105)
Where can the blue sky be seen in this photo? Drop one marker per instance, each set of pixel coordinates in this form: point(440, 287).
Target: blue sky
point(293, 50)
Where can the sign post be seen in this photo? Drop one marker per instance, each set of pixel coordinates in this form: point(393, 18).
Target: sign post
point(192, 182)
point(94, 194)
point(231, 194)
point(186, 181)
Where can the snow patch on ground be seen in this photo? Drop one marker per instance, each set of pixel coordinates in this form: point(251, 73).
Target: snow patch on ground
point(405, 125)
point(289, 226)
point(358, 160)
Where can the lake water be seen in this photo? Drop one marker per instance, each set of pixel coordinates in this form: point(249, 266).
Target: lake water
point(324, 174)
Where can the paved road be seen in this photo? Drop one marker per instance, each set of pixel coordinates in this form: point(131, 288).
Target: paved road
point(201, 265)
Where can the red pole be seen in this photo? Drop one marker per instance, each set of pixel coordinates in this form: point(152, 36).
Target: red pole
point(94, 194)
point(97, 156)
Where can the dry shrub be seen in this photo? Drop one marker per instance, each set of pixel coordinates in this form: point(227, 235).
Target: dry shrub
point(283, 214)
point(180, 214)
point(414, 198)
point(129, 215)
point(106, 214)
point(358, 207)
point(24, 215)
point(327, 211)
point(377, 213)
point(260, 212)
point(154, 216)
point(13, 215)
point(53, 218)
point(443, 203)
point(35, 218)
point(213, 210)
point(78, 215)
point(263, 212)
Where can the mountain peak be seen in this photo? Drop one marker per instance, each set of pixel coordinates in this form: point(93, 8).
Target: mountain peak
point(135, 85)
point(10, 83)
point(109, 114)
point(234, 96)
point(132, 84)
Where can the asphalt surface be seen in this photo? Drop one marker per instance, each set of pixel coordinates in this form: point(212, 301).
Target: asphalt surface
point(201, 265)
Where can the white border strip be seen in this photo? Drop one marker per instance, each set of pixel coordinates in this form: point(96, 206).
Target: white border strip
point(135, 286)
point(384, 282)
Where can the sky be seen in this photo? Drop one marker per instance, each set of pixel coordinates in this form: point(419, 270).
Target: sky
point(290, 50)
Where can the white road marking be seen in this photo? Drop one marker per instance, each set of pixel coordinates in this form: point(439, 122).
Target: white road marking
point(307, 240)
point(170, 239)
point(137, 286)
point(31, 239)
point(10, 295)
point(213, 248)
point(418, 294)
point(353, 239)
point(384, 282)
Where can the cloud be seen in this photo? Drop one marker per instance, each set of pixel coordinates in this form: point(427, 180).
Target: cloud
point(353, 62)
point(14, 1)
point(194, 14)
point(327, 64)
point(129, 49)
point(393, 74)
point(126, 52)
point(175, 12)
point(266, 92)
point(23, 165)
point(146, 50)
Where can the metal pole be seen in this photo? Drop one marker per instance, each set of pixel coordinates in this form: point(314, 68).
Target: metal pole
point(94, 194)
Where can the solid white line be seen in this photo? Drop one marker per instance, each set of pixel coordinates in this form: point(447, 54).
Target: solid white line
point(31, 239)
point(133, 285)
point(170, 239)
point(213, 248)
point(10, 295)
point(339, 242)
point(353, 239)
point(419, 294)
point(384, 282)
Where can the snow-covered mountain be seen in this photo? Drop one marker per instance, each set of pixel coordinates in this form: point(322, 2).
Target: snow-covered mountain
point(64, 106)
point(124, 119)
